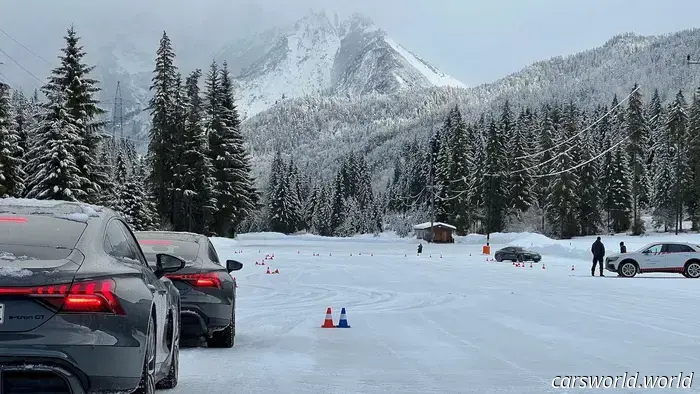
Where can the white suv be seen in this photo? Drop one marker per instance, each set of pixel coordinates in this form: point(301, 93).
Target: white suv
point(666, 257)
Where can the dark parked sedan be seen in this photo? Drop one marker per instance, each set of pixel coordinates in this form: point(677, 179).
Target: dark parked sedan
point(516, 253)
point(207, 290)
point(80, 308)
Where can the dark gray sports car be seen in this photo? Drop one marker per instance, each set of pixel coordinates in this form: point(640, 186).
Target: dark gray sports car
point(516, 253)
point(207, 290)
point(80, 308)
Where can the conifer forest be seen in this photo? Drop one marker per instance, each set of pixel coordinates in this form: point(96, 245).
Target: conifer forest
point(558, 169)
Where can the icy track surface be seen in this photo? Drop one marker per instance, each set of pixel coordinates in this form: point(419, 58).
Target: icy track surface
point(456, 324)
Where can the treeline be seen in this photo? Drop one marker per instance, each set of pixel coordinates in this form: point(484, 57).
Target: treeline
point(195, 176)
point(343, 206)
point(558, 169)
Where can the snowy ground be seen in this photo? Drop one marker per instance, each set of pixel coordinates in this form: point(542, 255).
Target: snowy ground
point(456, 324)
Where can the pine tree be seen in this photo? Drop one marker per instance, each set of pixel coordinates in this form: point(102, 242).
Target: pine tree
point(521, 168)
point(620, 191)
point(72, 78)
point(546, 145)
point(692, 198)
point(53, 171)
point(588, 187)
point(11, 157)
point(160, 146)
point(677, 130)
point(235, 192)
point(496, 180)
point(637, 149)
point(563, 201)
point(196, 170)
point(462, 182)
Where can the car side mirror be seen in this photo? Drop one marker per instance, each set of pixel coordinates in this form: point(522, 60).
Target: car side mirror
point(233, 265)
point(167, 264)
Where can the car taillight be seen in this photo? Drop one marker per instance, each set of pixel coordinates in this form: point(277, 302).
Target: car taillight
point(80, 297)
point(206, 279)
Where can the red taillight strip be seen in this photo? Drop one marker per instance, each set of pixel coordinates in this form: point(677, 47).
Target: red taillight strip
point(81, 297)
point(207, 279)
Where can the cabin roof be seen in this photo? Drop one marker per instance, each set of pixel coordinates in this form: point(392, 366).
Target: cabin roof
point(425, 226)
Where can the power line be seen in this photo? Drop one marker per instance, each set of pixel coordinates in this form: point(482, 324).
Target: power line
point(582, 131)
point(23, 46)
point(21, 66)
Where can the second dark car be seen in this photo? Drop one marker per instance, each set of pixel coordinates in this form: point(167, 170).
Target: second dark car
point(207, 290)
point(517, 253)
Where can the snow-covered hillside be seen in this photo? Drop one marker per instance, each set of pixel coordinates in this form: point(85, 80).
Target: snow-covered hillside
point(319, 56)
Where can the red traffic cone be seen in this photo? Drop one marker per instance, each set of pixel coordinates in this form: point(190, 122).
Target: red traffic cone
point(572, 268)
point(328, 322)
point(276, 271)
point(543, 267)
point(530, 265)
point(268, 271)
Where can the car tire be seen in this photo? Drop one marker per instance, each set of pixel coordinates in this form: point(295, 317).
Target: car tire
point(226, 337)
point(498, 257)
point(627, 269)
point(171, 380)
point(147, 385)
point(692, 269)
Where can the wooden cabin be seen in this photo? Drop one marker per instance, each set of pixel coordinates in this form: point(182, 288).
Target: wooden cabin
point(441, 232)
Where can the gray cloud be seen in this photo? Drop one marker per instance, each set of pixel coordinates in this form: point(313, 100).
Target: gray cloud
point(475, 40)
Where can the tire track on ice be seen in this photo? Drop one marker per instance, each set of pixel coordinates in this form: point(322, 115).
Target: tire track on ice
point(524, 371)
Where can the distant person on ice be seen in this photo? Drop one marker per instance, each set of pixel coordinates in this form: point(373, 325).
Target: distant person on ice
point(420, 249)
point(623, 248)
point(598, 250)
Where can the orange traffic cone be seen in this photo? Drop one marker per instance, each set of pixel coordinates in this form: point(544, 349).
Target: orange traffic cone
point(328, 322)
point(268, 271)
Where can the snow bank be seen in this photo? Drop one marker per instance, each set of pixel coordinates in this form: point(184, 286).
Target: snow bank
point(389, 236)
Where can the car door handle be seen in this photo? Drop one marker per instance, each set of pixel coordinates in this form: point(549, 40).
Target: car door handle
point(151, 288)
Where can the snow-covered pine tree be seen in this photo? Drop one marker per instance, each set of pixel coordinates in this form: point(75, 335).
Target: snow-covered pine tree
point(443, 183)
point(293, 198)
point(53, 172)
point(546, 162)
point(664, 198)
point(655, 121)
point(24, 123)
point(72, 77)
point(462, 181)
point(692, 146)
point(135, 204)
point(638, 151)
point(12, 175)
point(496, 180)
point(196, 170)
point(620, 191)
point(235, 191)
point(589, 192)
point(338, 208)
point(521, 166)
point(677, 130)
point(563, 200)
point(160, 143)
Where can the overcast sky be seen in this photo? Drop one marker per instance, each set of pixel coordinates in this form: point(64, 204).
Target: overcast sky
point(477, 41)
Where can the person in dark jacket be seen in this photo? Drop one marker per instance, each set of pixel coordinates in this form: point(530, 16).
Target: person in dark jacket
point(623, 248)
point(420, 249)
point(598, 250)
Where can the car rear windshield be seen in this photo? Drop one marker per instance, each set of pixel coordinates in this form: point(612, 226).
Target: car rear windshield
point(43, 237)
point(185, 250)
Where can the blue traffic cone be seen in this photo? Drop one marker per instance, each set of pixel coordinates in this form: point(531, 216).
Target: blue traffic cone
point(343, 322)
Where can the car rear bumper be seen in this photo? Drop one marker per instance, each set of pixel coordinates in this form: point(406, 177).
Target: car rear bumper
point(203, 319)
point(83, 369)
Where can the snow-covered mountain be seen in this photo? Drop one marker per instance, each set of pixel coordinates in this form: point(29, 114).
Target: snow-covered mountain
point(318, 56)
point(316, 131)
